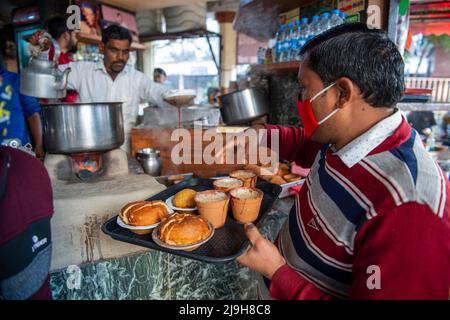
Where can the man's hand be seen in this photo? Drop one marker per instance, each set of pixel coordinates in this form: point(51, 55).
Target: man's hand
point(39, 151)
point(262, 256)
point(34, 122)
point(35, 40)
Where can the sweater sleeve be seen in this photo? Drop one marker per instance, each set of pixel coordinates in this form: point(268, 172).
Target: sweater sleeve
point(402, 253)
point(294, 145)
point(287, 284)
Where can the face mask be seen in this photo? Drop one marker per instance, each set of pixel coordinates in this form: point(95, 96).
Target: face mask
point(306, 113)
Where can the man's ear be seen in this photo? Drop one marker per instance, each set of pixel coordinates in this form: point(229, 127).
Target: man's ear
point(101, 48)
point(347, 91)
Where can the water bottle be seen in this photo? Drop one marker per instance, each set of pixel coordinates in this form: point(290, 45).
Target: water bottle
point(313, 27)
point(324, 22)
point(261, 55)
point(298, 38)
point(335, 19)
point(280, 43)
point(293, 53)
point(304, 33)
point(343, 16)
point(286, 43)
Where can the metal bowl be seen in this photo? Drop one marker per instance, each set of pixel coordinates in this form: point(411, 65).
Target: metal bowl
point(83, 127)
point(243, 106)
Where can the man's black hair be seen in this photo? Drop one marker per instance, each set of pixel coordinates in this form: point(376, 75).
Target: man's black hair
point(8, 31)
point(56, 26)
point(2, 43)
point(365, 56)
point(159, 71)
point(116, 32)
point(6, 34)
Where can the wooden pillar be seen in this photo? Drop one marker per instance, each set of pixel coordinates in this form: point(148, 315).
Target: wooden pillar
point(229, 48)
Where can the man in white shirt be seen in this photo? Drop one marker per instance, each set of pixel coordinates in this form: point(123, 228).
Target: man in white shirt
point(111, 80)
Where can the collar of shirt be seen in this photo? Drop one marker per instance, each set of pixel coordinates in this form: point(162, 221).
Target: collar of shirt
point(360, 147)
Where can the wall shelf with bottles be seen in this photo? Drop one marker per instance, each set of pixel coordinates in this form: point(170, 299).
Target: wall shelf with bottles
point(278, 67)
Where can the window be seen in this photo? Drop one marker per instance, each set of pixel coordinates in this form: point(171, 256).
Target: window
point(188, 63)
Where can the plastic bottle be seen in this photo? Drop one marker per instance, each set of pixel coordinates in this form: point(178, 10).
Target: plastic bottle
point(286, 44)
point(324, 22)
point(298, 40)
point(314, 27)
point(280, 42)
point(304, 33)
point(343, 16)
point(261, 55)
point(335, 19)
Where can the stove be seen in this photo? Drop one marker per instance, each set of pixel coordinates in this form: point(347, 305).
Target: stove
point(88, 189)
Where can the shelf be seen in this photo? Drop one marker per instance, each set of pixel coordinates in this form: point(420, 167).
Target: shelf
point(278, 68)
point(94, 39)
point(279, 5)
point(196, 33)
point(427, 106)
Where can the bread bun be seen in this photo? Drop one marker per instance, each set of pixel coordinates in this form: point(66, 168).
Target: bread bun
point(184, 229)
point(184, 199)
point(175, 179)
point(144, 213)
point(292, 177)
point(284, 167)
point(254, 168)
point(278, 180)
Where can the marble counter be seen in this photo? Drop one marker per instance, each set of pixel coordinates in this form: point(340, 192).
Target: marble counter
point(159, 275)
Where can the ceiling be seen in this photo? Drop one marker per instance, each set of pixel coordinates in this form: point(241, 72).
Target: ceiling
point(134, 5)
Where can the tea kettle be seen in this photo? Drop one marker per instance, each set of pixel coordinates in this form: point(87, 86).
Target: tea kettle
point(42, 78)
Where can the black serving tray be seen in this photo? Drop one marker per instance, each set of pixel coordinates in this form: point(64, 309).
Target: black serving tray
point(227, 243)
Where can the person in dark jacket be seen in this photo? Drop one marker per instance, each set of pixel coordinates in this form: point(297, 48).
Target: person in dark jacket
point(26, 207)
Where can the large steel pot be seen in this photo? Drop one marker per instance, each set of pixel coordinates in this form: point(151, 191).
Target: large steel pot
point(243, 106)
point(83, 127)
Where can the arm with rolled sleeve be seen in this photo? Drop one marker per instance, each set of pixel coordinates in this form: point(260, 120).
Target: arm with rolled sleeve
point(29, 105)
point(152, 92)
point(31, 110)
point(294, 145)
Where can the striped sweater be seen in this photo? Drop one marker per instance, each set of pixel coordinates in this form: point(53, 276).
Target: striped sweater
point(379, 229)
